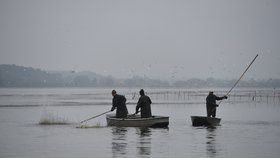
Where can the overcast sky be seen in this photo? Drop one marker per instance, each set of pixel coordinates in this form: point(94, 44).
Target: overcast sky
point(175, 39)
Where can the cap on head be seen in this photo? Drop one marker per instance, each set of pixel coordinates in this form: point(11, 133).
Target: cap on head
point(114, 92)
point(141, 92)
point(211, 92)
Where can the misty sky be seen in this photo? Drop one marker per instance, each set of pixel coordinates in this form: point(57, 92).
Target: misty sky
point(176, 39)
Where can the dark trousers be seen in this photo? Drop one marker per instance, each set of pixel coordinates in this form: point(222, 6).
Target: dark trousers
point(211, 110)
point(121, 112)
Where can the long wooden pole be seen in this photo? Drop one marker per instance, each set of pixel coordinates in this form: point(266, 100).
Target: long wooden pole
point(241, 76)
point(95, 116)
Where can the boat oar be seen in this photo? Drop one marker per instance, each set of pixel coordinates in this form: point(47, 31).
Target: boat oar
point(240, 77)
point(95, 116)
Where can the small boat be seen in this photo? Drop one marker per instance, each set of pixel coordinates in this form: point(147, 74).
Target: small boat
point(137, 121)
point(205, 121)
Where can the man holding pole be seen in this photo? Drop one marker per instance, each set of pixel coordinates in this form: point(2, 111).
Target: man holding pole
point(119, 103)
point(211, 103)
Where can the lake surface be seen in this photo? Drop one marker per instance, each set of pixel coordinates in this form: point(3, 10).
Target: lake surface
point(250, 125)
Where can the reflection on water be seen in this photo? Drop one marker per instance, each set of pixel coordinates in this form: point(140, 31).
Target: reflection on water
point(124, 146)
point(144, 142)
point(206, 142)
point(211, 142)
point(249, 128)
point(119, 141)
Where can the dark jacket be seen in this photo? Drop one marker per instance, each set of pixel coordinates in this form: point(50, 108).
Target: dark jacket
point(211, 104)
point(119, 103)
point(211, 100)
point(144, 103)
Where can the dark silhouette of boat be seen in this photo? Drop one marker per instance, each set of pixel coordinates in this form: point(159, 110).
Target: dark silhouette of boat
point(205, 121)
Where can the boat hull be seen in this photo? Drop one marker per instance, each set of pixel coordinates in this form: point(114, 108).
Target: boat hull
point(205, 121)
point(137, 121)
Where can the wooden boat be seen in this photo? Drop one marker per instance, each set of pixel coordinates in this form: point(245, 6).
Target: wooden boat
point(205, 121)
point(137, 121)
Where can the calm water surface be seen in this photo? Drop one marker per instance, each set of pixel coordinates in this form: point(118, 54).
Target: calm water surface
point(250, 125)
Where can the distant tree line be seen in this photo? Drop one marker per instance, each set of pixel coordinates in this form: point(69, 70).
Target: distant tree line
point(19, 76)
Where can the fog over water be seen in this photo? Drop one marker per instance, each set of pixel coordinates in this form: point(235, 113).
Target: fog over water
point(155, 39)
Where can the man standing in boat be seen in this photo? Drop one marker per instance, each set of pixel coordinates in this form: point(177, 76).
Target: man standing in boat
point(144, 103)
point(119, 103)
point(211, 103)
